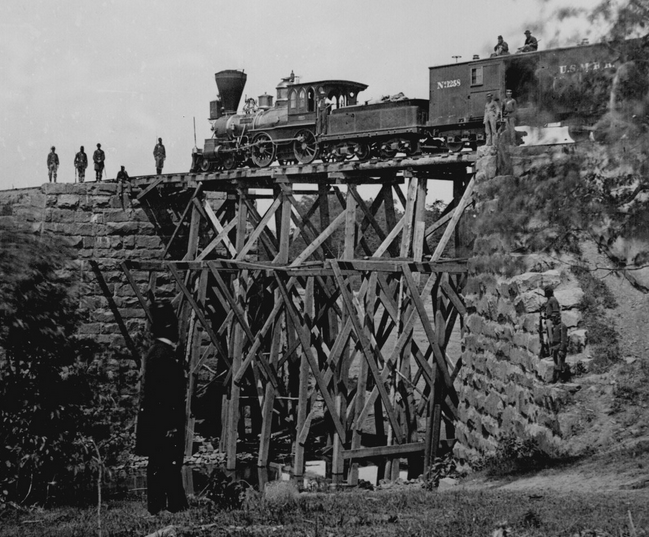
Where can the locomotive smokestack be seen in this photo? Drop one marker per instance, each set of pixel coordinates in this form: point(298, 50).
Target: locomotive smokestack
point(230, 84)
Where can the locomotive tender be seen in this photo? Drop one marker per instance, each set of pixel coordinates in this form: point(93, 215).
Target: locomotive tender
point(324, 119)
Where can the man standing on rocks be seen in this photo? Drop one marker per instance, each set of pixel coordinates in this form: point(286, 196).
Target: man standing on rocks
point(52, 164)
point(160, 431)
point(98, 157)
point(557, 333)
point(492, 114)
point(559, 349)
point(80, 164)
point(509, 116)
point(160, 155)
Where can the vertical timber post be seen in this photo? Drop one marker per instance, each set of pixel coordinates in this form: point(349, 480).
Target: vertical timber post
point(236, 338)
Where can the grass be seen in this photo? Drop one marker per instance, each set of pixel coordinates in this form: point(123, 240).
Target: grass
point(404, 510)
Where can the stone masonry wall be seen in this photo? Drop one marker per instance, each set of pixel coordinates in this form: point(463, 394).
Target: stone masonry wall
point(100, 224)
point(504, 386)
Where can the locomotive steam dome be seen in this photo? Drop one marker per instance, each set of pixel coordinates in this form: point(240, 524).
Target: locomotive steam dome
point(230, 84)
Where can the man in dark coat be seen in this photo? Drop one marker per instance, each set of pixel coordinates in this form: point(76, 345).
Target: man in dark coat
point(80, 164)
point(559, 349)
point(52, 164)
point(501, 48)
point(531, 43)
point(160, 155)
point(161, 420)
point(98, 157)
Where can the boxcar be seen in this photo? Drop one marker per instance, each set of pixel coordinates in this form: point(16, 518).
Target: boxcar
point(570, 86)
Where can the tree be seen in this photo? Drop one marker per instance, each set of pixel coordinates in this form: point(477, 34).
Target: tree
point(55, 404)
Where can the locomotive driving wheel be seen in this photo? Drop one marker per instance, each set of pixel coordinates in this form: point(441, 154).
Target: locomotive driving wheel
point(263, 150)
point(305, 147)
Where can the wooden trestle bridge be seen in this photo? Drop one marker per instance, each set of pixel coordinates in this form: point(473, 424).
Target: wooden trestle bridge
point(324, 335)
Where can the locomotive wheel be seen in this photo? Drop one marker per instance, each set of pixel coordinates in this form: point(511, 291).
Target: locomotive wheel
point(206, 165)
point(363, 152)
point(305, 147)
point(229, 162)
point(454, 147)
point(387, 151)
point(263, 150)
point(412, 147)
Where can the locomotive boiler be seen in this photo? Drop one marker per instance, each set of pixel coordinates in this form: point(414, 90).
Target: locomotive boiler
point(308, 120)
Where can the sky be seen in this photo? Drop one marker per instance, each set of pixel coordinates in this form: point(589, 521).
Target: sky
point(125, 72)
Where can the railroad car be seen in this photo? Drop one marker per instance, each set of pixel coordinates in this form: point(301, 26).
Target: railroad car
point(567, 86)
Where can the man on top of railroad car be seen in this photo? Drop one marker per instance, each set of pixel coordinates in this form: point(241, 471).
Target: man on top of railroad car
point(531, 43)
point(501, 47)
point(492, 114)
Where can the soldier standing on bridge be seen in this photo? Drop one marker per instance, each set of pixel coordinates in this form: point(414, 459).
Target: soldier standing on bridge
point(52, 164)
point(124, 186)
point(80, 164)
point(492, 114)
point(160, 155)
point(99, 157)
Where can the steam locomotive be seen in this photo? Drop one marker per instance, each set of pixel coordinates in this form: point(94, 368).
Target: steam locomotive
point(325, 120)
point(308, 120)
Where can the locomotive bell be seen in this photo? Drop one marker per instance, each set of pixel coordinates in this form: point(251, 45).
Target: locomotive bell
point(230, 84)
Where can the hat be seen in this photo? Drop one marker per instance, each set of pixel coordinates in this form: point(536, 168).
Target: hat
point(527, 32)
point(490, 94)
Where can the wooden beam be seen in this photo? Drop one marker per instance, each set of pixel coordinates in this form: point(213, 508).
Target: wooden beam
point(459, 210)
point(396, 450)
point(199, 313)
point(430, 334)
point(116, 314)
point(313, 362)
point(319, 240)
point(136, 290)
point(367, 352)
point(148, 189)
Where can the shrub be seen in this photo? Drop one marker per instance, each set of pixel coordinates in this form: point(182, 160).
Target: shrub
point(56, 404)
point(516, 455)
